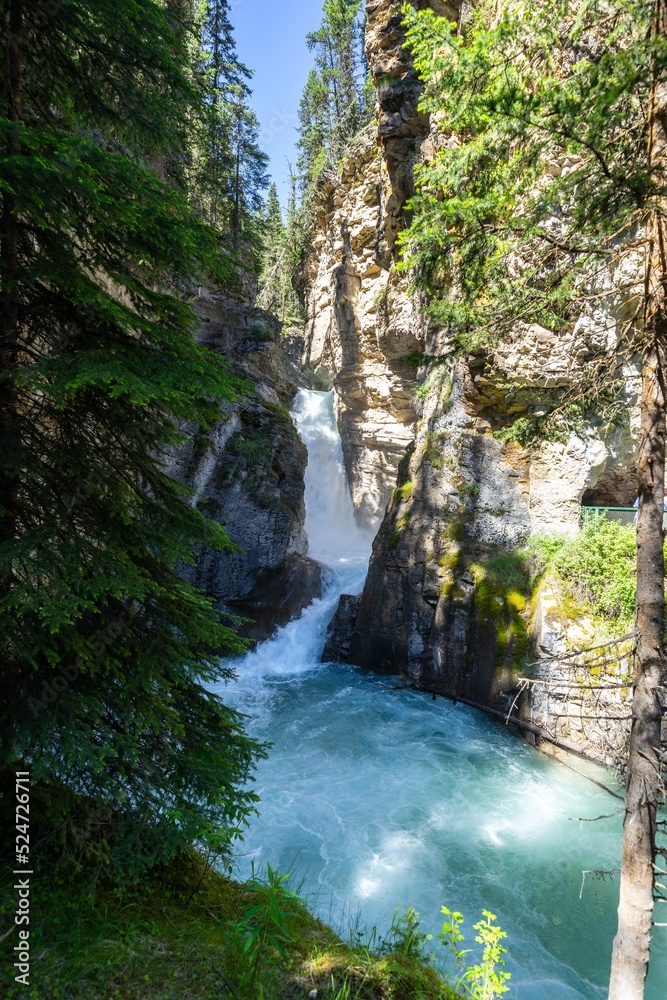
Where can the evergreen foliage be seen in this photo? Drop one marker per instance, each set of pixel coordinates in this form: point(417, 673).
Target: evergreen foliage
point(540, 189)
point(334, 103)
point(314, 127)
point(230, 169)
point(249, 177)
point(281, 260)
point(108, 654)
point(337, 101)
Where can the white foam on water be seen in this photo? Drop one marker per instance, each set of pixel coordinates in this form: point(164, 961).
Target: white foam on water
point(376, 799)
point(334, 536)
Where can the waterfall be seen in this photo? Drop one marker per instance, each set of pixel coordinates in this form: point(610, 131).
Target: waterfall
point(334, 537)
point(377, 799)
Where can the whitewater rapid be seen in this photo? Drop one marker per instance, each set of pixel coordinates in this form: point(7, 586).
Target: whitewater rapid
point(377, 799)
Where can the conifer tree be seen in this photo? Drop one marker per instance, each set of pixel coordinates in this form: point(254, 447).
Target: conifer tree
point(108, 656)
point(337, 100)
point(272, 290)
point(219, 70)
point(337, 49)
point(315, 128)
point(229, 174)
point(333, 105)
point(551, 184)
point(281, 260)
point(249, 178)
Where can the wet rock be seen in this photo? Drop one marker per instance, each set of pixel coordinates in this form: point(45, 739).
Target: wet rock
point(278, 596)
point(339, 632)
point(247, 473)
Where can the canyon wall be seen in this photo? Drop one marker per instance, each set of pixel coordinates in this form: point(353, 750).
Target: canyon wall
point(431, 440)
point(363, 329)
point(247, 472)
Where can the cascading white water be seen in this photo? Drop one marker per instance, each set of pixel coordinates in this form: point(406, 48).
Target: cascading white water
point(376, 799)
point(334, 537)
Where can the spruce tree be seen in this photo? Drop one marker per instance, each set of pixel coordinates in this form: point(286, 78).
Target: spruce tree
point(228, 172)
point(337, 100)
point(315, 129)
point(108, 655)
point(272, 293)
point(249, 178)
point(281, 259)
point(545, 202)
point(334, 101)
point(219, 71)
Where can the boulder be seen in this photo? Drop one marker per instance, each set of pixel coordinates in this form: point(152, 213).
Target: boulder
point(339, 633)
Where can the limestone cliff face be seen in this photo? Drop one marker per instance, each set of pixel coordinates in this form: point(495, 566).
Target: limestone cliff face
point(445, 603)
point(362, 326)
point(247, 472)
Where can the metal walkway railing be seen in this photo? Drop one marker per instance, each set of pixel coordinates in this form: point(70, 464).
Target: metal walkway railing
point(626, 515)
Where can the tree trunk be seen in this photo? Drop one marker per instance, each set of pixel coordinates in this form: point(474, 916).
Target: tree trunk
point(635, 913)
point(237, 179)
point(10, 296)
point(334, 82)
point(10, 428)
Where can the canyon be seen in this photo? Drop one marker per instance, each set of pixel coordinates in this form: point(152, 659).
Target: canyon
point(435, 468)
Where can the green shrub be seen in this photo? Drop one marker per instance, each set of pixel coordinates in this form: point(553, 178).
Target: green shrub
point(598, 566)
point(487, 979)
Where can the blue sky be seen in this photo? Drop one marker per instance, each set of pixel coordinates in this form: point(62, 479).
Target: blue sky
point(271, 40)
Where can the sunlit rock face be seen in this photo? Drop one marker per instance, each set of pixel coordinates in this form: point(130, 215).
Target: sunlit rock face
point(440, 605)
point(452, 489)
point(362, 326)
point(465, 499)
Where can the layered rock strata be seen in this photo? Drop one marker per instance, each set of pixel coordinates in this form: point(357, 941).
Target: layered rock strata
point(362, 327)
point(584, 698)
point(447, 602)
point(247, 472)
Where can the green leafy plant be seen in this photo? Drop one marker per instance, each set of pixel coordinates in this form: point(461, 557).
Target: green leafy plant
point(487, 979)
point(598, 566)
point(266, 925)
point(406, 937)
point(452, 937)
